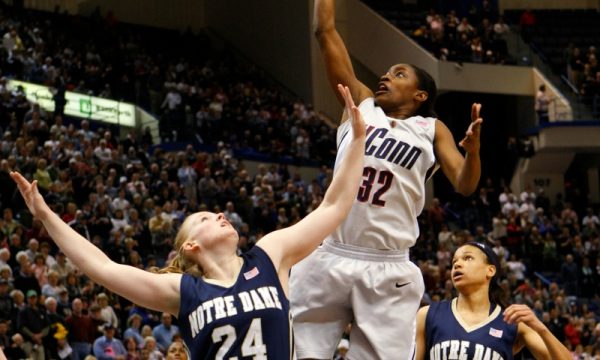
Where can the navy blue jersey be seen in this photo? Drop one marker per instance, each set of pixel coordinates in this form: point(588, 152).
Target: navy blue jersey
point(448, 337)
point(249, 320)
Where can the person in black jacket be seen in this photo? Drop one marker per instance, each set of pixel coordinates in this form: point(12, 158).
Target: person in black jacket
point(33, 324)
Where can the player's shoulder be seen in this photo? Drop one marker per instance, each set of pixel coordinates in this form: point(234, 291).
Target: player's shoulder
point(422, 313)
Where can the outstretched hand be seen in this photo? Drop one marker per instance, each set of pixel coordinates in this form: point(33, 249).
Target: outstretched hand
point(356, 119)
point(29, 190)
point(518, 313)
point(471, 142)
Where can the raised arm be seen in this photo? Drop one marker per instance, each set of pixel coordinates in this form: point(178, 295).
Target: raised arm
point(462, 172)
point(336, 57)
point(534, 335)
point(288, 246)
point(155, 291)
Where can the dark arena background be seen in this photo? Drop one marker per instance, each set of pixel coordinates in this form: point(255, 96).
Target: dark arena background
point(130, 111)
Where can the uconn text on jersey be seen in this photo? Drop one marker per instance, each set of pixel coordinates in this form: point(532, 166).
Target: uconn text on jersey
point(391, 149)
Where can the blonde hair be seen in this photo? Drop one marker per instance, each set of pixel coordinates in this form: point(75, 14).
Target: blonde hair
point(179, 264)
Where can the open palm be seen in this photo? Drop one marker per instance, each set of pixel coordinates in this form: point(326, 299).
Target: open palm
point(471, 140)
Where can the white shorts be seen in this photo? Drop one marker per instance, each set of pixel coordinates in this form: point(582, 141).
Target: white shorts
point(379, 292)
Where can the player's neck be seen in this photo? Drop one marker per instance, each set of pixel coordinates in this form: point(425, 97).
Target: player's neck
point(477, 303)
point(400, 113)
point(222, 271)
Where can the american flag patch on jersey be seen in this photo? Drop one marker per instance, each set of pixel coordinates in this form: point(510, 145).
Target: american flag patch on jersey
point(496, 333)
point(253, 272)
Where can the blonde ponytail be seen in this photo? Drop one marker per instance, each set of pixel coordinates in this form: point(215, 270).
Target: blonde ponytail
point(179, 265)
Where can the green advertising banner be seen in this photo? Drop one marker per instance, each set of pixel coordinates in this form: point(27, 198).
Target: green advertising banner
point(80, 105)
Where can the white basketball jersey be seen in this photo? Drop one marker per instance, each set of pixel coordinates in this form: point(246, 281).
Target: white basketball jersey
point(399, 158)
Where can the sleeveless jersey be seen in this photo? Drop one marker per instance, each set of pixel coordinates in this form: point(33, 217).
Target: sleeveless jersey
point(448, 337)
point(249, 320)
point(399, 158)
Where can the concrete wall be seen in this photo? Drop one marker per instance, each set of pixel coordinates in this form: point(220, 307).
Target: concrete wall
point(492, 79)
point(556, 148)
point(579, 138)
point(274, 34)
point(543, 171)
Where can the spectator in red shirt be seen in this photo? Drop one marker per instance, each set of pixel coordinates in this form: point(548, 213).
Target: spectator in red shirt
point(573, 331)
point(527, 23)
point(82, 331)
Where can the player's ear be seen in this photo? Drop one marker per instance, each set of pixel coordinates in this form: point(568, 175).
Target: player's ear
point(190, 246)
point(491, 271)
point(421, 96)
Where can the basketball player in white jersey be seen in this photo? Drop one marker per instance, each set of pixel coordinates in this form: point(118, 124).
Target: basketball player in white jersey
point(362, 273)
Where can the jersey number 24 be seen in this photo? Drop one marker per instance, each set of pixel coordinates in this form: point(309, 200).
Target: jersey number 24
point(251, 346)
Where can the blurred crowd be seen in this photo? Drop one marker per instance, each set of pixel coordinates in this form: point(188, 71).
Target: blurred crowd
point(584, 73)
point(129, 196)
point(201, 94)
point(478, 36)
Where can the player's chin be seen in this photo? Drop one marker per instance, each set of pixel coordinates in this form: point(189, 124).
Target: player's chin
point(384, 100)
point(459, 282)
point(380, 97)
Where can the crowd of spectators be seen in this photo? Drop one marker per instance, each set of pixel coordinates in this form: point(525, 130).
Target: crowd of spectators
point(478, 36)
point(584, 73)
point(200, 94)
point(129, 199)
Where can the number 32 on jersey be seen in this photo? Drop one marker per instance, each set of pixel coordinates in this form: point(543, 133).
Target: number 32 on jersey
point(375, 183)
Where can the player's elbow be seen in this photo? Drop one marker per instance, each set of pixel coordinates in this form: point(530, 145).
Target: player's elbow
point(318, 34)
point(323, 32)
point(466, 190)
point(464, 186)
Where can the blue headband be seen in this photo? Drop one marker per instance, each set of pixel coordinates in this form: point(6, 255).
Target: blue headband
point(489, 253)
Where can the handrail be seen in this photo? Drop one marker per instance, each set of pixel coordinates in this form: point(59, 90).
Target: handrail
point(542, 278)
point(569, 84)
